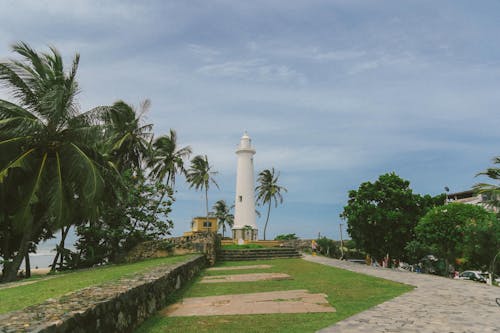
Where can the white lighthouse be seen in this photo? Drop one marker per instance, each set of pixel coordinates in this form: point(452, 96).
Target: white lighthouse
point(244, 227)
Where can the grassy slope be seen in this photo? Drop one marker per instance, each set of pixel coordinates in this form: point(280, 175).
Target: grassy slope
point(16, 298)
point(348, 292)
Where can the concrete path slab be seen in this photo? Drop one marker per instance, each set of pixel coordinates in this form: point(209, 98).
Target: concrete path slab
point(251, 277)
point(289, 301)
point(233, 268)
point(437, 304)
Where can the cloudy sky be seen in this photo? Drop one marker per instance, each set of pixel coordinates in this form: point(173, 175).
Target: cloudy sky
point(333, 93)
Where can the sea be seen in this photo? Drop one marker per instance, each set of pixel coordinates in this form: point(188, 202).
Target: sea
point(46, 251)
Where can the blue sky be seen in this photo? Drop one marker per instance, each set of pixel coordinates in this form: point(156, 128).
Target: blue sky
point(333, 93)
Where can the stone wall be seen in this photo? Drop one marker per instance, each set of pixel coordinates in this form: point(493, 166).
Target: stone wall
point(200, 242)
point(298, 244)
point(118, 306)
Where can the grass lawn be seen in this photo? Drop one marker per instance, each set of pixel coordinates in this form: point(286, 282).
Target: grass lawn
point(19, 297)
point(348, 292)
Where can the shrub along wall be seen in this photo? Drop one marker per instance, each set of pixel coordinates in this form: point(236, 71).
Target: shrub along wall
point(114, 307)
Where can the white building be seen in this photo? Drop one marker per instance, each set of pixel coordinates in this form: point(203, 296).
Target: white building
point(244, 227)
point(470, 197)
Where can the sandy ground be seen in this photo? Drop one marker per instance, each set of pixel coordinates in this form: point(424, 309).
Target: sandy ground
point(245, 277)
point(234, 268)
point(289, 301)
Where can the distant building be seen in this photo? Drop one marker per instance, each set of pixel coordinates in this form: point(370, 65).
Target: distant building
point(470, 197)
point(202, 223)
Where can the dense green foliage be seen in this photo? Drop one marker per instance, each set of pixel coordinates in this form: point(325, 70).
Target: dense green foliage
point(328, 247)
point(61, 168)
point(49, 160)
point(458, 230)
point(268, 191)
point(37, 291)
point(134, 218)
point(348, 292)
point(381, 216)
point(286, 237)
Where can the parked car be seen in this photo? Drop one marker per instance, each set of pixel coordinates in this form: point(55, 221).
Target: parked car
point(357, 261)
point(473, 276)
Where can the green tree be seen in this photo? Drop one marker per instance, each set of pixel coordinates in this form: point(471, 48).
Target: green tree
point(223, 215)
point(459, 230)
point(167, 159)
point(491, 191)
point(268, 191)
point(200, 175)
point(286, 237)
point(381, 216)
point(134, 218)
point(127, 138)
point(48, 148)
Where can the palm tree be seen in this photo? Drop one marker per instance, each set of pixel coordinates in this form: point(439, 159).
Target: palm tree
point(268, 191)
point(127, 138)
point(200, 175)
point(46, 145)
point(223, 216)
point(166, 159)
point(491, 190)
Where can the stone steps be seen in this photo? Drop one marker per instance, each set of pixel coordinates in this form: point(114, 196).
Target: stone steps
point(258, 254)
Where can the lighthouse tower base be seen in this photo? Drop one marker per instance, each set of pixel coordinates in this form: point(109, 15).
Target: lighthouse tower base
point(245, 234)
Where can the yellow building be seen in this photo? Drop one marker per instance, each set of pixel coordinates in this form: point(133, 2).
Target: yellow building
point(202, 223)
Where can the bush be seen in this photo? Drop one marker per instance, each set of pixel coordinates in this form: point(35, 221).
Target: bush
point(328, 247)
point(286, 237)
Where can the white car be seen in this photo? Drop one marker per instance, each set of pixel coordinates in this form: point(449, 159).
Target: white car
point(473, 276)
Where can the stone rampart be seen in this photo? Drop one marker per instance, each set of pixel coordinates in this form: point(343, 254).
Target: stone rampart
point(118, 306)
point(200, 242)
point(298, 244)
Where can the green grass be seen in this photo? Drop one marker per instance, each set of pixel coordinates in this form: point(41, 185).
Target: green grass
point(348, 292)
point(19, 297)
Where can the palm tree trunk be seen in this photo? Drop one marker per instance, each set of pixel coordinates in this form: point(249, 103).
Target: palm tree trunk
point(27, 264)
point(267, 219)
point(11, 272)
point(206, 202)
point(64, 233)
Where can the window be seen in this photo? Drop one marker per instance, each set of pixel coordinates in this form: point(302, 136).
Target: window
point(207, 224)
point(240, 198)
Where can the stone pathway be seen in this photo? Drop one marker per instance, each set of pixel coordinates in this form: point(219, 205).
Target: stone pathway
point(234, 268)
point(251, 277)
point(437, 304)
point(289, 301)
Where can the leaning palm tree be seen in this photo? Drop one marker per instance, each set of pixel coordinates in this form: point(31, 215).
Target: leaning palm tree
point(127, 137)
point(167, 159)
point(47, 147)
point(268, 191)
point(200, 175)
point(223, 216)
point(492, 191)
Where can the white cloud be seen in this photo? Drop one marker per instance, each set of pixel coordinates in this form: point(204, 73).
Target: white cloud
point(251, 70)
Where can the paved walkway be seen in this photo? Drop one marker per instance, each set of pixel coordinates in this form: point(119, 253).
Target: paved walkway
point(437, 304)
